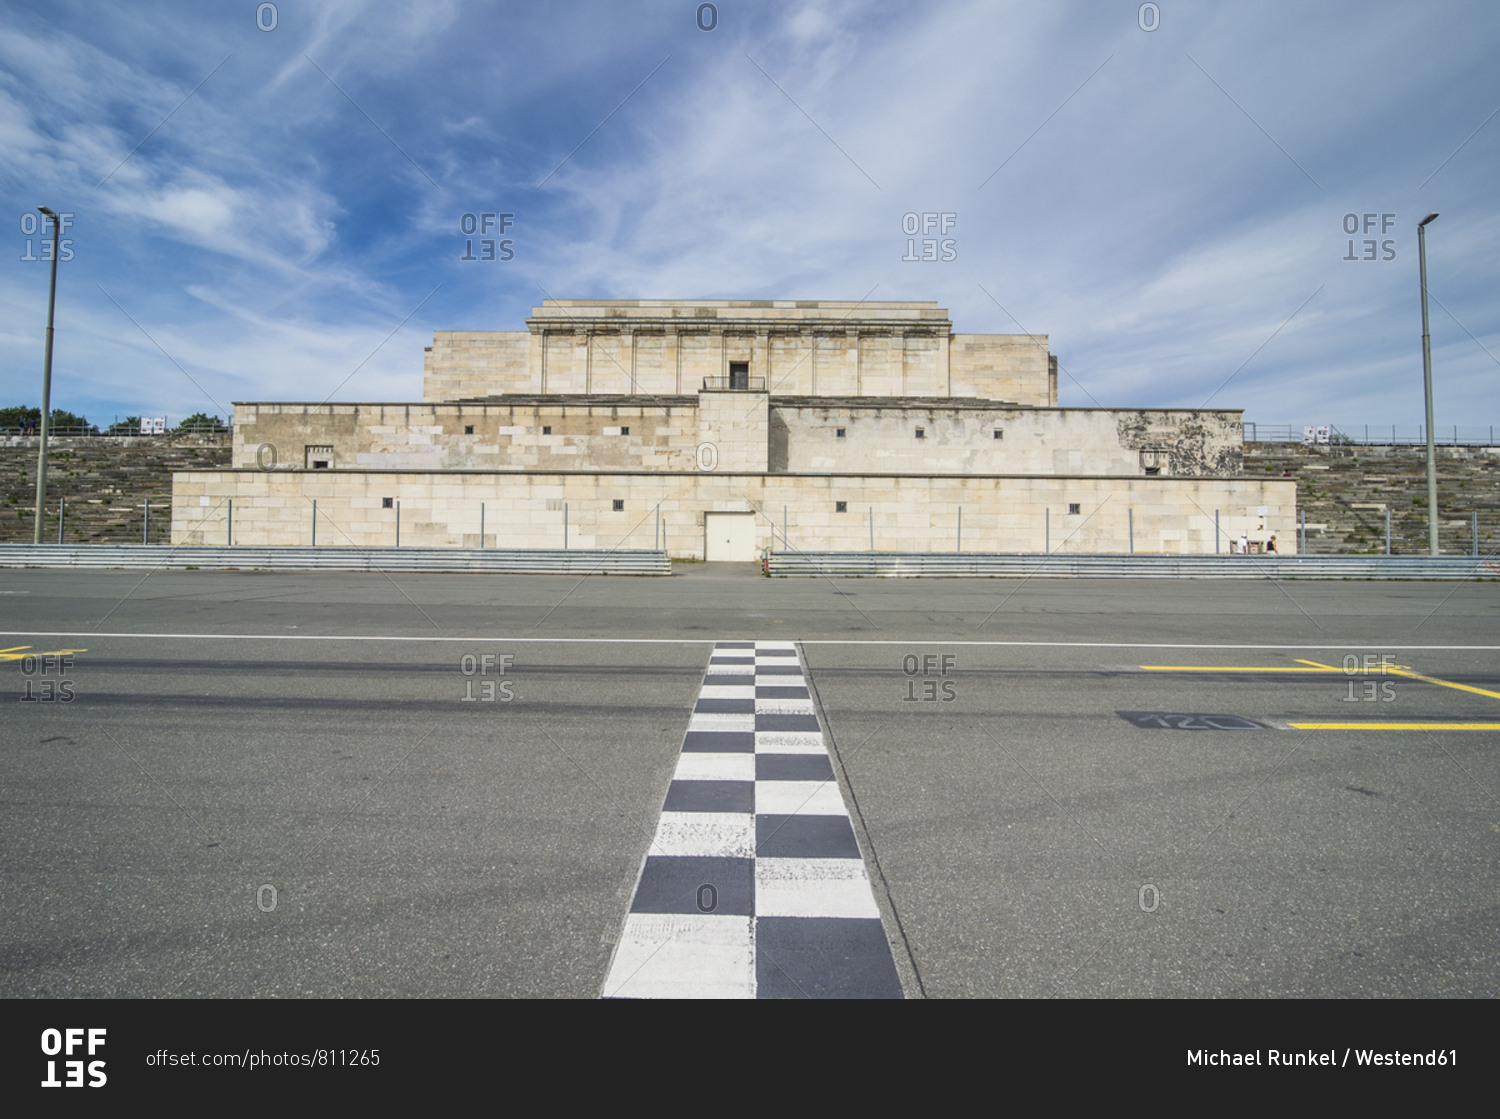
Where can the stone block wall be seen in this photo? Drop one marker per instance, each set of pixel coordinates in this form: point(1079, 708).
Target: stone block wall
point(555, 435)
point(1008, 514)
point(1011, 367)
point(467, 363)
point(960, 437)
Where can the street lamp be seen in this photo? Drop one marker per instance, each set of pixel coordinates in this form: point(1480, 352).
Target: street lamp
point(41, 455)
point(1432, 528)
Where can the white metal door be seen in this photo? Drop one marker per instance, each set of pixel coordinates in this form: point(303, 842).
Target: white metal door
point(729, 537)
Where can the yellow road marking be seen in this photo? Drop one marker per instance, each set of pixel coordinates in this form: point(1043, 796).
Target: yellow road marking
point(13, 655)
point(1386, 669)
point(1227, 668)
point(1394, 726)
point(1447, 683)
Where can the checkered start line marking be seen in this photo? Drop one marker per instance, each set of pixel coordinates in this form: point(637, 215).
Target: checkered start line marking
point(754, 886)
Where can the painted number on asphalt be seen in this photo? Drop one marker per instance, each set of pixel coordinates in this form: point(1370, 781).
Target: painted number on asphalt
point(1173, 720)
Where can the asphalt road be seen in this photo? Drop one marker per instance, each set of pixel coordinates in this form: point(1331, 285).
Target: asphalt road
point(318, 785)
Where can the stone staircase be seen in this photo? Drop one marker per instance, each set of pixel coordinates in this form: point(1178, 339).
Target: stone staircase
point(106, 481)
point(1346, 488)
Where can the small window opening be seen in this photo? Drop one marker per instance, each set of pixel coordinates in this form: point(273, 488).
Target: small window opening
point(624, 431)
point(838, 433)
point(468, 429)
point(387, 502)
point(921, 433)
point(619, 505)
point(546, 429)
point(1074, 510)
point(999, 434)
point(841, 507)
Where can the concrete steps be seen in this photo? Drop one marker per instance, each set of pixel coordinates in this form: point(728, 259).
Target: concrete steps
point(1346, 489)
point(106, 481)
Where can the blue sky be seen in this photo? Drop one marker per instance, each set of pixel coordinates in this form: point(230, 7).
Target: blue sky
point(277, 214)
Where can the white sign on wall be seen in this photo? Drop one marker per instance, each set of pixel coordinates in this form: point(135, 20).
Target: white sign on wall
point(153, 425)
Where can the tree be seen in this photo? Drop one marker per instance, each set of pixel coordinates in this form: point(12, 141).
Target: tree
point(202, 424)
point(130, 425)
point(61, 421)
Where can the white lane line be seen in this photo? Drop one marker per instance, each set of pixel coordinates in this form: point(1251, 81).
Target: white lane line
point(1361, 643)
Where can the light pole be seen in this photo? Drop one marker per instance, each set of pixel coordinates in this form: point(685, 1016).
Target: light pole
point(1432, 528)
point(41, 455)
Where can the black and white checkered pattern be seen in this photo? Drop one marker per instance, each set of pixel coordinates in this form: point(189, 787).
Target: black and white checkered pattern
point(754, 886)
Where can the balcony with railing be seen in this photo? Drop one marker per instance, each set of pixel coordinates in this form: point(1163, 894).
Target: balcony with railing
point(735, 382)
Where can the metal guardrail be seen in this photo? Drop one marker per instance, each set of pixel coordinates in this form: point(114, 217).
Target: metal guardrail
point(487, 561)
point(958, 565)
point(93, 432)
point(1375, 435)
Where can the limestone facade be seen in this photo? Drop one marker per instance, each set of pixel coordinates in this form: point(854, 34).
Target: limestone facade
point(617, 415)
point(1003, 513)
point(634, 347)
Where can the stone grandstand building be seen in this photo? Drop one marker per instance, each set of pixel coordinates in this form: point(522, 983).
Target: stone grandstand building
point(717, 429)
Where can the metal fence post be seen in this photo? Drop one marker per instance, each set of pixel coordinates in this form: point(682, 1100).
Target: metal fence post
point(1216, 532)
point(398, 522)
point(146, 523)
point(565, 526)
point(872, 528)
point(1132, 531)
point(315, 523)
point(1302, 544)
point(960, 528)
point(1474, 513)
point(1388, 529)
point(481, 524)
point(229, 524)
point(62, 510)
point(1047, 531)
